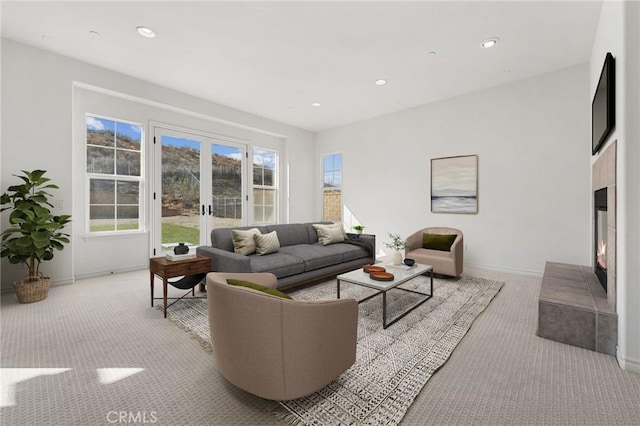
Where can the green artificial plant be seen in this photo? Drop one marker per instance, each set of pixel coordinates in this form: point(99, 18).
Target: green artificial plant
point(34, 232)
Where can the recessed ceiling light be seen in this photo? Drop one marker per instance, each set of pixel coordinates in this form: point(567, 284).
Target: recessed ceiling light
point(315, 104)
point(381, 82)
point(490, 42)
point(146, 32)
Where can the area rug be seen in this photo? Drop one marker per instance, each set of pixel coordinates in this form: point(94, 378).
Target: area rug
point(393, 365)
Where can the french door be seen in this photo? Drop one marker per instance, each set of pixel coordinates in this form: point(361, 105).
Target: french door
point(199, 184)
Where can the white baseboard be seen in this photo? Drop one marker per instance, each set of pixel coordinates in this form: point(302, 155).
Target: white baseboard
point(627, 364)
point(115, 271)
point(504, 269)
point(54, 283)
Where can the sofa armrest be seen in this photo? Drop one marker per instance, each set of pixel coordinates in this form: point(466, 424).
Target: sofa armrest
point(413, 241)
point(368, 241)
point(262, 278)
point(225, 261)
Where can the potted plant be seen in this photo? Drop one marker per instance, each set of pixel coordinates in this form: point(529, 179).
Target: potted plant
point(358, 228)
point(397, 243)
point(33, 233)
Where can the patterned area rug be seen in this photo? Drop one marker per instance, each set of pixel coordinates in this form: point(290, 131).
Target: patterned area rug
point(393, 365)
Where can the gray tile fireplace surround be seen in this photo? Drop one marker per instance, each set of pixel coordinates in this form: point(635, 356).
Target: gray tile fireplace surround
point(573, 309)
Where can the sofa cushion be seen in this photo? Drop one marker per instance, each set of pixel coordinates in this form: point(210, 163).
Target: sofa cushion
point(329, 234)
point(437, 241)
point(314, 256)
point(258, 287)
point(421, 252)
point(347, 252)
point(243, 240)
point(279, 264)
point(290, 234)
point(267, 243)
point(353, 252)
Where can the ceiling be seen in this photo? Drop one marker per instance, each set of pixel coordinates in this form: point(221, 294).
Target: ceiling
point(274, 59)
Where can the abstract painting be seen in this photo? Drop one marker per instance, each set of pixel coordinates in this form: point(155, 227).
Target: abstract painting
point(454, 184)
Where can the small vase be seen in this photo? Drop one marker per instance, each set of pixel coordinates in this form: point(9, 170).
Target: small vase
point(180, 249)
point(396, 258)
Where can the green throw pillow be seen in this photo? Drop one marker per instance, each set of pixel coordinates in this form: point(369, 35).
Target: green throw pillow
point(438, 242)
point(271, 291)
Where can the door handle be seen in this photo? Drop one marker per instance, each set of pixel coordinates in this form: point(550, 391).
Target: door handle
point(203, 210)
point(210, 210)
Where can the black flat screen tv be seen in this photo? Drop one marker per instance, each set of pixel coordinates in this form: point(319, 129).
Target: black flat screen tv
point(603, 107)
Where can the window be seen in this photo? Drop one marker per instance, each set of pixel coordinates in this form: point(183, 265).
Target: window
point(264, 186)
point(114, 171)
point(332, 187)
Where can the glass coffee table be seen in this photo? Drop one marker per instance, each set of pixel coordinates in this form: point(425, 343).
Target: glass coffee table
point(401, 273)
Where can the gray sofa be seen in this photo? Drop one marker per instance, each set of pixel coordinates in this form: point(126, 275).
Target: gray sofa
point(301, 258)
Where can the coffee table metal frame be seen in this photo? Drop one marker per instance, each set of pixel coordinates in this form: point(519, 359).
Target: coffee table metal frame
point(402, 274)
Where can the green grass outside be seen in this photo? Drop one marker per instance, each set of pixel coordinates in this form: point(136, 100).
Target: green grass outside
point(171, 232)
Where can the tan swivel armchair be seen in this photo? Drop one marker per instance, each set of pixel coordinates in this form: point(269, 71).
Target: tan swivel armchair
point(277, 348)
point(443, 262)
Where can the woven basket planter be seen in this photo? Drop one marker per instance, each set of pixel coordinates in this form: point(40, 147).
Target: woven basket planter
point(30, 290)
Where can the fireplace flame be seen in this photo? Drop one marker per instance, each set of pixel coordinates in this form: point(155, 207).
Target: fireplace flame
point(601, 254)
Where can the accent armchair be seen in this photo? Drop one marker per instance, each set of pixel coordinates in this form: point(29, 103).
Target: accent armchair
point(444, 262)
point(278, 348)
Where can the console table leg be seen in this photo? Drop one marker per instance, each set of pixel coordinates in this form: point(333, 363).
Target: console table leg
point(338, 288)
point(151, 281)
point(164, 295)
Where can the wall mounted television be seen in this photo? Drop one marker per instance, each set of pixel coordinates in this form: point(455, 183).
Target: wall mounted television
point(603, 107)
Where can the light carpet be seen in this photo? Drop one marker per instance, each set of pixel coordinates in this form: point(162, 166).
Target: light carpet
point(392, 365)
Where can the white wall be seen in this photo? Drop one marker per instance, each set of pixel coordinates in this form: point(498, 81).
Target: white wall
point(37, 132)
point(532, 141)
point(618, 33)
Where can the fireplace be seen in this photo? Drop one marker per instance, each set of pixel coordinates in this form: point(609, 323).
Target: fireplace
point(600, 236)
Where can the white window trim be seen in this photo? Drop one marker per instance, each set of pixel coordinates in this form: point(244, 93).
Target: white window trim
point(275, 187)
point(140, 179)
point(325, 189)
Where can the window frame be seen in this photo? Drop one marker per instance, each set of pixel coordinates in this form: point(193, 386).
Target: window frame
point(337, 188)
point(139, 180)
point(274, 187)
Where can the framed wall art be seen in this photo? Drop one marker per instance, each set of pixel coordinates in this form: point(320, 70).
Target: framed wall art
point(454, 184)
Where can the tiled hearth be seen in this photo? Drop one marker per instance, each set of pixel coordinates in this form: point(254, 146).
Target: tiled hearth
point(573, 307)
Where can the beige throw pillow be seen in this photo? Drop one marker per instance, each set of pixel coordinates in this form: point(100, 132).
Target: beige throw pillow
point(243, 241)
point(329, 234)
point(267, 243)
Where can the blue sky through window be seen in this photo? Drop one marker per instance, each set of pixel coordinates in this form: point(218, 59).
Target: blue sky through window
point(227, 151)
point(180, 142)
point(96, 124)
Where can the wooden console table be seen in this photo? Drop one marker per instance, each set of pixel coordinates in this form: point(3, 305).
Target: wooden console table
point(165, 269)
